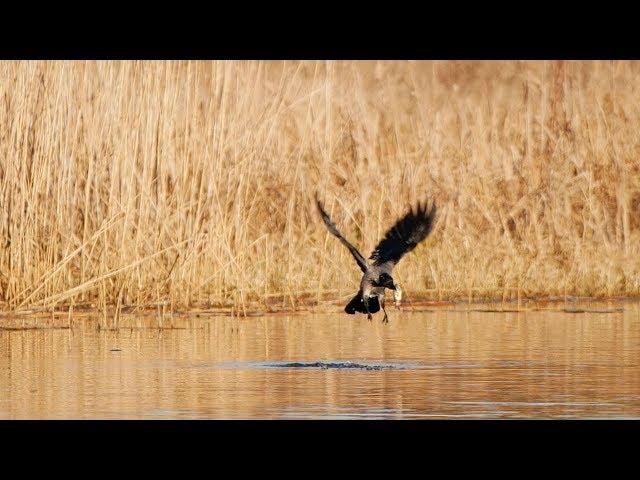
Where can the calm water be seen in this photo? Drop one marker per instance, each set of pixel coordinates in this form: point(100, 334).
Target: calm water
point(439, 364)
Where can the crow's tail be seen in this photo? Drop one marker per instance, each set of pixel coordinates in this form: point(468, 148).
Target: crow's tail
point(357, 305)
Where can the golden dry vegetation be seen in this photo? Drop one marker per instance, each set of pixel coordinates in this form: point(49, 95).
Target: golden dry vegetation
point(191, 183)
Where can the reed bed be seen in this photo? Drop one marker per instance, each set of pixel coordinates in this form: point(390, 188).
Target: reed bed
point(190, 184)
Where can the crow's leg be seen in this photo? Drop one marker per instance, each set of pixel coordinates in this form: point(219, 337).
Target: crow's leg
point(366, 307)
point(386, 318)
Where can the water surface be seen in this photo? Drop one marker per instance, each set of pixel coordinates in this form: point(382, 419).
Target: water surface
point(438, 364)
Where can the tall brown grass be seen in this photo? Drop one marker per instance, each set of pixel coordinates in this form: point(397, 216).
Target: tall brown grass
point(191, 183)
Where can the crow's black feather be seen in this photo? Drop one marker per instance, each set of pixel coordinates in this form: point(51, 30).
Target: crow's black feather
point(404, 235)
point(362, 263)
point(357, 305)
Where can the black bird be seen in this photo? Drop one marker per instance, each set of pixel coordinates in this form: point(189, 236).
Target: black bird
point(377, 275)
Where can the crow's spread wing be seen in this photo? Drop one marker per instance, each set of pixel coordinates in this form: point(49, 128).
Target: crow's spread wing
point(404, 235)
point(362, 263)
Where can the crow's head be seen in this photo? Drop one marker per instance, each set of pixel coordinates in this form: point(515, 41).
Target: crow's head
point(385, 280)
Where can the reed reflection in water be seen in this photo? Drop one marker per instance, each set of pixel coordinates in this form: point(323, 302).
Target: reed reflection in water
point(440, 364)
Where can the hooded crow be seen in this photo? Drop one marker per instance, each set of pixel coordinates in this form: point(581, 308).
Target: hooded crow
point(399, 240)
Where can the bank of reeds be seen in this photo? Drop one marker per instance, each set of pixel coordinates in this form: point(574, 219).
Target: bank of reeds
point(190, 184)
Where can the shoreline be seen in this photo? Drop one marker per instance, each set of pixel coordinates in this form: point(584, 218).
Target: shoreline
point(110, 319)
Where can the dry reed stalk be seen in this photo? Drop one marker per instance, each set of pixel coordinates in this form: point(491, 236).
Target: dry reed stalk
point(192, 182)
